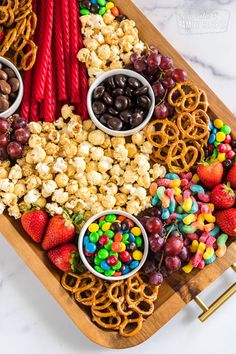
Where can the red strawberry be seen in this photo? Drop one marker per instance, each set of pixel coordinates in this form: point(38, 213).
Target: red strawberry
point(222, 196)
point(231, 176)
point(35, 222)
point(60, 230)
point(226, 219)
point(210, 172)
point(66, 258)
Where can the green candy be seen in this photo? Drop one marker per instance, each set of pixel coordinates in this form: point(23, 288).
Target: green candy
point(109, 273)
point(84, 12)
point(102, 2)
point(108, 245)
point(111, 253)
point(97, 260)
point(93, 237)
point(216, 143)
point(117, 266)
point(221, 240)
point(225, 129)
point(99, 232)
point(103, 253)
point(81, 5)
point(109, 233)
point(188, 229)
point(98, 269)
point(110, 218)
point(139, 241)
point(125, 239)
point(179, 210)
point(215, 152)
point(102, 11)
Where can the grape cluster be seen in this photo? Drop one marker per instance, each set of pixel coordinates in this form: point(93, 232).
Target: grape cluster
point(14, 134)
point(167, 248)
point(160, 72)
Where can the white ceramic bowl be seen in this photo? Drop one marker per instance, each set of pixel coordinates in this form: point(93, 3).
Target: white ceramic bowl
point(103, 77)
point(81, 238)
point(12, 109)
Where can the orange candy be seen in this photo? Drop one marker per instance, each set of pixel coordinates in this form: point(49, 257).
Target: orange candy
point(115, 11)
point(131, 223)
point(118, 237)
point(153, 189)
point(121, 217)
point(102, 218)
point(117, 247)
point(117, 274)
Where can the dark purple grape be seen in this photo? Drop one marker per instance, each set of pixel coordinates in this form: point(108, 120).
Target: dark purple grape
point(4, 139)
point(22, 135)
point(153, 60)
point(14, 150)
point(175, 233)
point(140, 64)
point(149, 266)
point(168, 83)
point(4, 125)
point(153, 49)
point(144, 219)
point(156, 243)
point(174, 246)
point(19, 122)
point(179, 75)
point(173, 263)
point(161, 111)
point(166, 63)
point(154, 225)
point(3, 153)
point(158, 89)
point(185, 254)
point(155, 278)
point(134, 57)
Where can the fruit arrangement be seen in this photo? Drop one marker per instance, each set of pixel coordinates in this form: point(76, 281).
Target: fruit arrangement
point(58, 169)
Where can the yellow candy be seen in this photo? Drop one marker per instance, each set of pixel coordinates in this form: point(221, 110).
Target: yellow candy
point(93, 228)
point(110, 5)
point(221, 156)
point(201, 217)
point(177, 191)
point(165, 201)
point(187, 205)
point(220, 136)
point(195, 178)
point(136, 231)
point(194, 246)
point(201, 247)
point(137, 255)
point(218, 123)
point(175, 183)
point(189, 219)
point(188, 268)
point(209, 253)
point(122, 247)
point(209, 217)
point(198, 225)
point(211, 206)
point(106, 226)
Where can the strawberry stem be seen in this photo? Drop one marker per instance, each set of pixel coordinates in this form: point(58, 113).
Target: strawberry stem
point(76, 263)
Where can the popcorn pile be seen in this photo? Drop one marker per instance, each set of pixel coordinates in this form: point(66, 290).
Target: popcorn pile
point(108, 43)
point(71, 164)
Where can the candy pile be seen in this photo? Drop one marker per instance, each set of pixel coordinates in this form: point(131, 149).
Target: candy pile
point(100, 7)
point(57, 76)
point(113, 245)
point(221, 143)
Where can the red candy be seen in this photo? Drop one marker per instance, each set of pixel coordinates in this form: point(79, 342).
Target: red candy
point(228, 139)
point(88, 254)
point(228, 147)
point(230, 155)
point(222, 148)
point(125, 256)
point(103, 240)
point(112, 261)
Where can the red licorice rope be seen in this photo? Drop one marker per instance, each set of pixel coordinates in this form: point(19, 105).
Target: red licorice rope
point(59, 53)
point(45, 40)
point(74, 48)
point(25, 106)
point(66, 41)
point(82, 109)
point(49, 95)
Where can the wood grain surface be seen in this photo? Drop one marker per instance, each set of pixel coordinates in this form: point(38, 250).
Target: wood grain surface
point(178, 289)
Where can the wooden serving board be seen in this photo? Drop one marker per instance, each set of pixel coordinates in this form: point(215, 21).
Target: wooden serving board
point(178, 289)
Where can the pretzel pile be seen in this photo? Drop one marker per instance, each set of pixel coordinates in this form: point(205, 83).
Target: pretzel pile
point(19, 23)
point(118, 305)
point(178, 141)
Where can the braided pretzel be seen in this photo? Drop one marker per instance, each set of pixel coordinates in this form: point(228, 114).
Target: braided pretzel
point(184, 97)
point(183, 159)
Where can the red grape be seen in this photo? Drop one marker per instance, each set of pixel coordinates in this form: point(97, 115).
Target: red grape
point(149, 266)
point(4, 139)
point(153, 60)
point(4, 125)
point(14, 150)
point(3, 153)
point(22, 135)
point(158, 89)
point(140, 64)
point(161, 111)
point(166, 63)
point(134, 57)
point(144, 219)
point(174, 246)
point(179, 75)
point(19, 122)
point(155, 278)
point(156, 243)
point(185, 254)
point(153, 49)
point(154, 225)
point(168, 83)
point(173, 263)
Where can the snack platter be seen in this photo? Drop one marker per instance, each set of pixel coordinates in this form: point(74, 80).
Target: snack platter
point(78, 291)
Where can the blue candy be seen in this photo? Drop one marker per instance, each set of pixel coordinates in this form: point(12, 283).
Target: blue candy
point(134, 264)
point(210, 260)
point(165, 214)
point(172, 227)
point(196, 188)
point(155, 200)
point(104, 265)
point(126, 270)
point(214, 130)
point(215, 231)
point(212, 138)
point(194, 208)
point(181, 216)
point(172, 206)
point(131, 238)
point(85, 240)
point(90, 247)
point(94, 1)
point(171, 176)
point(211, 125)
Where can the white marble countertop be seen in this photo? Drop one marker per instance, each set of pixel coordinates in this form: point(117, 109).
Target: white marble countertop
point(30, 320)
